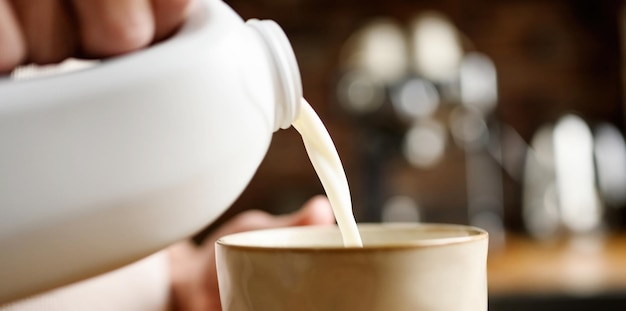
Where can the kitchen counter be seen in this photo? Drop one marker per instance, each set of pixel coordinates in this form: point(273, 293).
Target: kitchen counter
point(592, 265)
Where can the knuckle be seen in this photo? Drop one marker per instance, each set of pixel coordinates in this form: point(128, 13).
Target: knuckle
point(179, 6)
point(119, 37)
point(11, 57)
point(249, 220)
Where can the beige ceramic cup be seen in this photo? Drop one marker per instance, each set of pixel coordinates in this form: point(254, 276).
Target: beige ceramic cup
point(401, 267)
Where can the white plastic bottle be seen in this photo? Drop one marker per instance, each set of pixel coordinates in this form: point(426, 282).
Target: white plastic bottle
point(103, 166)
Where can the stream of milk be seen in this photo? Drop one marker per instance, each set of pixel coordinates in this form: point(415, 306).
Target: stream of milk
point(323, 154)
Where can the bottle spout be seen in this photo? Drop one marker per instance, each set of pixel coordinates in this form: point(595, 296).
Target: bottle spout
point(288, 75)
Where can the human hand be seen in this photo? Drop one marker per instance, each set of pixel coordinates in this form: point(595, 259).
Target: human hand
point(193, 273)
point(48, 31)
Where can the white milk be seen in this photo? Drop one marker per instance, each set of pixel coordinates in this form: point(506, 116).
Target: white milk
point(327, 164)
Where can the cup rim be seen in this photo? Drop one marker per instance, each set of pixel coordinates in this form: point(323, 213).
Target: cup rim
point(473, 234)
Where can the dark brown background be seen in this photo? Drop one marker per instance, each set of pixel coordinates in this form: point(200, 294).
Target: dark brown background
point(552, 57)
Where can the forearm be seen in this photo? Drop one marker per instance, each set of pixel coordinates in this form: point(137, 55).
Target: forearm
point(141, 286)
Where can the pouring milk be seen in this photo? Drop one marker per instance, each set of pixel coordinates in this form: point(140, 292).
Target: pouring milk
point(321, 150)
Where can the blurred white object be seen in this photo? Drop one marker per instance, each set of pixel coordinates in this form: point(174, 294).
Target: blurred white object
point(478, 82)
point(359, 92)
point(425, 143)
point(105, 165)
point(610, 153)
point(540, 200)
point(401, 208)
point(469, 128)
point(580, 207)
point(559, 181)
point(436, 47)
point(380, 49)
point(415, 98)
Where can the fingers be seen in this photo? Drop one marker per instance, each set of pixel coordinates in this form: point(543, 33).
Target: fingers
point(316, 211)
point(194, 272)
point(247, 221)
point(193, 279)
point(113, 27)
point(168, 15)
point(48, 30)
point(12, 46)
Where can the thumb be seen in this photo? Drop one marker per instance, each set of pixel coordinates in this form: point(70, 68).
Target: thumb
point(316, 211)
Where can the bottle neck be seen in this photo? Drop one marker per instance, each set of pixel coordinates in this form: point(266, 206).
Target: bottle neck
point(286, 71)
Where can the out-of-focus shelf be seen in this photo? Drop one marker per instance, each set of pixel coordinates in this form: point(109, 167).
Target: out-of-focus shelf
point(589, 265)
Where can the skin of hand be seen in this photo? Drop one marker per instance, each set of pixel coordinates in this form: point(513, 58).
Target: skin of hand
point(49, 31)
point(193, 273)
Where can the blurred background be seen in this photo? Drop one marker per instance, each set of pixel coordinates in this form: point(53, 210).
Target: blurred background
point(508, 115)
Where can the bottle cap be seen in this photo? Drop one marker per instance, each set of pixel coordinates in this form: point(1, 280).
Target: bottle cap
point(290, 92)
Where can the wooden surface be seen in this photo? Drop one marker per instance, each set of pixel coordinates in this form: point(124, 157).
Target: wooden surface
point(584, 265)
